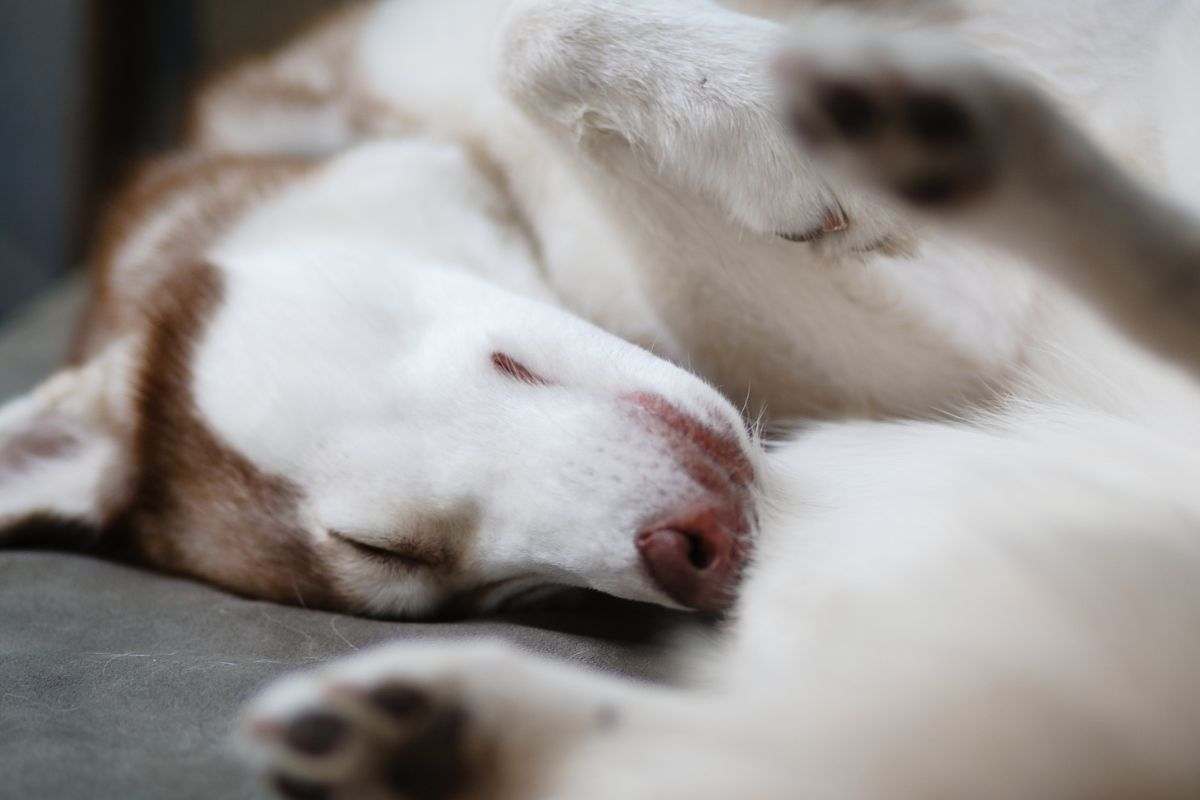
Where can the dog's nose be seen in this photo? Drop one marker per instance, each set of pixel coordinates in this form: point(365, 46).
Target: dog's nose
point(696, 559)
point(696, 556)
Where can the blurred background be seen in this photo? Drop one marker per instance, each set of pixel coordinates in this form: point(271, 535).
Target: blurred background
point(89, 87)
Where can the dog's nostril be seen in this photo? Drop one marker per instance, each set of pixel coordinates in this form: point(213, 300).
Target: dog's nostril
point(699, 554)
point(696, 566)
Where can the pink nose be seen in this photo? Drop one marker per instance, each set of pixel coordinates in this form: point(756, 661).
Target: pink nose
point(696, 556)
point(696, 560)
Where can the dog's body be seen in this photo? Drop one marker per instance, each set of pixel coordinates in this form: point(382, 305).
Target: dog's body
point(665, 231)
point(1000, 606)
point(288, 375)
point(1001, 603)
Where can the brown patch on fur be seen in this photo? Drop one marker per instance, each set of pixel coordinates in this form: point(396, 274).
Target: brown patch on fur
point(373, 118)
point(435, 541)
point(443, 539)
point(433, 548)
point(200, 197)
point(311, 77)
point(199, 508)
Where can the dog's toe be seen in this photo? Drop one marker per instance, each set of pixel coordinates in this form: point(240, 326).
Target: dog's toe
point(357, 730)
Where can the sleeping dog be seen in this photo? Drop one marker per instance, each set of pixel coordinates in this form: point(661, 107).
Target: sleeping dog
point(993, 598)
point(343, 383)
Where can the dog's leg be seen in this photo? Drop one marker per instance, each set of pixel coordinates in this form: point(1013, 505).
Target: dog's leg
point(680, 92)
point(434, 722)
point(951, 135)
point(300, 100)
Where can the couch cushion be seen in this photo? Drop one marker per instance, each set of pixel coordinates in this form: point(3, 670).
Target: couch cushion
point(118, 683)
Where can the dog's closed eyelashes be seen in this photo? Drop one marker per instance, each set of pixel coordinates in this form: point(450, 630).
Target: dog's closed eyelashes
point(331, 409)
point(509, 366)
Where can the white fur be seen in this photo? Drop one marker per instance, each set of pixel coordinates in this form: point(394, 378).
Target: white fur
point(693, 183)
point(85, 414)
point(999, 606)
point(391, 272)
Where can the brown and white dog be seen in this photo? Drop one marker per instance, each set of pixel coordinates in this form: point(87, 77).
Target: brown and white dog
point(1000, 603)
point(343, 383)
point(376, 373)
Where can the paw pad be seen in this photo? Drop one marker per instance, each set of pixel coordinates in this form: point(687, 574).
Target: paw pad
point(852, 111)
point(928, 134)
point(385, 737)
point(316, 734)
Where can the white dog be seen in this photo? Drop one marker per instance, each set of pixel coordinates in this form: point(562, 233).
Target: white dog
point(352, 386)
point(1000, 604)
point(341, 384)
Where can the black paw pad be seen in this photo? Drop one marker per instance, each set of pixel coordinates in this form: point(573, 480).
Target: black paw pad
point(933, 189)
point(853, 113)
point(399, 701)
point(316, 733)
point(807, 129)
point(937, 121)
point(432, 765)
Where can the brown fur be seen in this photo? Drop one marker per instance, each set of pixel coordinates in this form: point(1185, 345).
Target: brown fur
point(196, 506)
point(274, 86)
point(199, 508)
point(217, 190)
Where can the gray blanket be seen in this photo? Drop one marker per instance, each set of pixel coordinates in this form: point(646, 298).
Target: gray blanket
point(116, 683)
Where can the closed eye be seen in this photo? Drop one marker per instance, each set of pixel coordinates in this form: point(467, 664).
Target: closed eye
point(508, 366)
point(382, 554)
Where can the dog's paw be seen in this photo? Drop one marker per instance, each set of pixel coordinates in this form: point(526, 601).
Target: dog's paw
point(916, 117)
point(365, 729)
point(416, 722)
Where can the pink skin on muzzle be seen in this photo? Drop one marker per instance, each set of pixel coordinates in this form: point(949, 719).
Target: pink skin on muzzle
point(696, 554)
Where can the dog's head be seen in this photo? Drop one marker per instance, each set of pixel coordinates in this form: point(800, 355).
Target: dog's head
point(318, 427)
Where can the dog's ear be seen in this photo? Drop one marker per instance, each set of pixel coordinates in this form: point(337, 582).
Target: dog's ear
point(65, 454)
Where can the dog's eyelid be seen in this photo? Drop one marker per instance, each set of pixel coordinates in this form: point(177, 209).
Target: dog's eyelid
point(512, 368)
point(378, 553)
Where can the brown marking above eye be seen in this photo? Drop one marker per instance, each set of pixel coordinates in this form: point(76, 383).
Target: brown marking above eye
point(509, 366)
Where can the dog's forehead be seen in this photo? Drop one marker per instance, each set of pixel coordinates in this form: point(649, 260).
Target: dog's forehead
point(312, 336)
point(293, 352)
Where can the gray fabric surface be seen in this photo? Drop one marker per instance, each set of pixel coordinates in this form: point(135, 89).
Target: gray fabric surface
point(35, 341)
point(117, 683)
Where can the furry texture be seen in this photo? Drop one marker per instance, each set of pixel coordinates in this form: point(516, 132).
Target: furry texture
point(996, 606)
point(984, 586)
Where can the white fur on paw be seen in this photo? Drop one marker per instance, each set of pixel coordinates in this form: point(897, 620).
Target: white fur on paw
point(912, 115)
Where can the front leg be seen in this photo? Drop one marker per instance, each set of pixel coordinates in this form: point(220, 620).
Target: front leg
point(680, 92)
point(962, 141)
point(437, 722)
